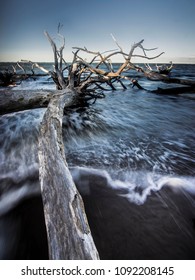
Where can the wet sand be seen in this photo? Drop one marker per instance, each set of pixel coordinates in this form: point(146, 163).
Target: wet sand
point(159, 229)
point(162, 228)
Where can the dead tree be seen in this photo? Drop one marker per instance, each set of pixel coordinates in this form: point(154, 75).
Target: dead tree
point(162, 74)
point(17, 73)
point(68, 232)
point(188, 86)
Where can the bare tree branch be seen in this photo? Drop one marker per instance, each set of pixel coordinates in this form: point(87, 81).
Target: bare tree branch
point(59, 73)
point(117, 44)
point(34, 64)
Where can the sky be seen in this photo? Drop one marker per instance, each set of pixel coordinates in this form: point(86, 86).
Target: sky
point(168, 25)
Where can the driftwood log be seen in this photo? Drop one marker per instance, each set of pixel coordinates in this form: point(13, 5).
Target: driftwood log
point(13, 101)
point(69, 235)
point(68, 232)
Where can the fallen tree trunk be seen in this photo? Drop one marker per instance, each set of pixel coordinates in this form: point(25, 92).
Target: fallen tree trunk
point(69, 235)
point(13, 101)
point(164, 91)
point(174, 90)
point(154, 76)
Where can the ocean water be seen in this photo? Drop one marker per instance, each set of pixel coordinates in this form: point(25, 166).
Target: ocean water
point(132, 157)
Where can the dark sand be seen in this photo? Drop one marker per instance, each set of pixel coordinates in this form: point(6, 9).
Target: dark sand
point(162, 228)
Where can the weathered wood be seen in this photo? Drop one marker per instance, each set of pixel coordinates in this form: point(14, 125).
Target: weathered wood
point(126, 64)
point(154, 76)
point(58, 64)
point(13, 101)
point(174, 90)
point(10, 77)
point(69, 235)
point(166, 91)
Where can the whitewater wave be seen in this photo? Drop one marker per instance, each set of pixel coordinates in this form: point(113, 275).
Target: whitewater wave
point(136, 189)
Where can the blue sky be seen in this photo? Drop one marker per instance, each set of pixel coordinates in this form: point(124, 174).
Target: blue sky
point(168, 25)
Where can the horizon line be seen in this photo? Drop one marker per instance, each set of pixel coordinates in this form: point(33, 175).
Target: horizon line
point(116, 62)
